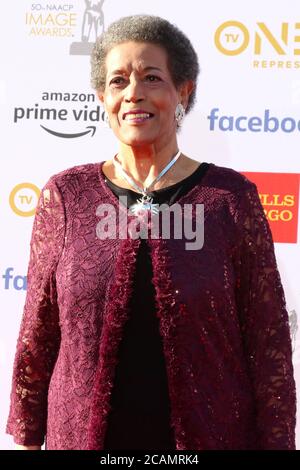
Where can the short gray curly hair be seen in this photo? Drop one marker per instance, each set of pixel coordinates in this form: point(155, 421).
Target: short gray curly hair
point(182, 58)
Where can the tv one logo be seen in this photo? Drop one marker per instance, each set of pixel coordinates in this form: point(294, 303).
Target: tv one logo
point(23, 199)
point(233, 38)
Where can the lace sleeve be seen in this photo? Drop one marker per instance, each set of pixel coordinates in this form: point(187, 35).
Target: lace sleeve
point(265, 328)
point(39, 335)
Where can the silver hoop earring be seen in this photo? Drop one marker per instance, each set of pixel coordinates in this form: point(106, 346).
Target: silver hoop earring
point(179, 114)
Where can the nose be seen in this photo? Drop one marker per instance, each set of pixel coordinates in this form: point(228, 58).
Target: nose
point(134, 91)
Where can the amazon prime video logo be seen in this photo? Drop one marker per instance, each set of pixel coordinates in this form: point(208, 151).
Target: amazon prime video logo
point(180, 222)
point(63, 114)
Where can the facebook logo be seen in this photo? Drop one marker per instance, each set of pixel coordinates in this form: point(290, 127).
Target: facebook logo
point(265, 123)
point(14, 281)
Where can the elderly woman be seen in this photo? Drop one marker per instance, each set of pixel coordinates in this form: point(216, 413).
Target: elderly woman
point(135, 341)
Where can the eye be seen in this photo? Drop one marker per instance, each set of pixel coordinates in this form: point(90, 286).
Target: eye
point(117, 81)
point(152, 78)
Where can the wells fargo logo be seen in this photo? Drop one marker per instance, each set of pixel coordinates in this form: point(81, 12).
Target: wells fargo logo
point(279, 195)
point(276, 46)
point(23, 199)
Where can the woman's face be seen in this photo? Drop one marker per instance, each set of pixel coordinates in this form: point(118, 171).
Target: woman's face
point(139, 94)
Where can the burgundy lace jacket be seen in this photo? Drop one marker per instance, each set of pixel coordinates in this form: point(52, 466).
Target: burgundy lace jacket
point(221, 311)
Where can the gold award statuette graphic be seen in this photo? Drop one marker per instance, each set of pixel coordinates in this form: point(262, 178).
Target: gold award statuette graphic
point(92, 26)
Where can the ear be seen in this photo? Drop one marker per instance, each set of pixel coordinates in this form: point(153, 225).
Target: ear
point(100, 95)
point(184, 92)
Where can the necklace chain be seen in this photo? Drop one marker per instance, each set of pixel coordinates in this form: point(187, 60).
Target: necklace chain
point(145, 203)
point(145, 189)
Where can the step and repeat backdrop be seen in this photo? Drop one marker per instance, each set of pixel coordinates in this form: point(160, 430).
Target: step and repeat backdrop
point(247, 117)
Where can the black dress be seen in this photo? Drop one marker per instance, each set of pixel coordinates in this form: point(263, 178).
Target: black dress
point(140, 414)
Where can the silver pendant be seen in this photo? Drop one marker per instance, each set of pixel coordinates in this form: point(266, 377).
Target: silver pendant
point(144, 205)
